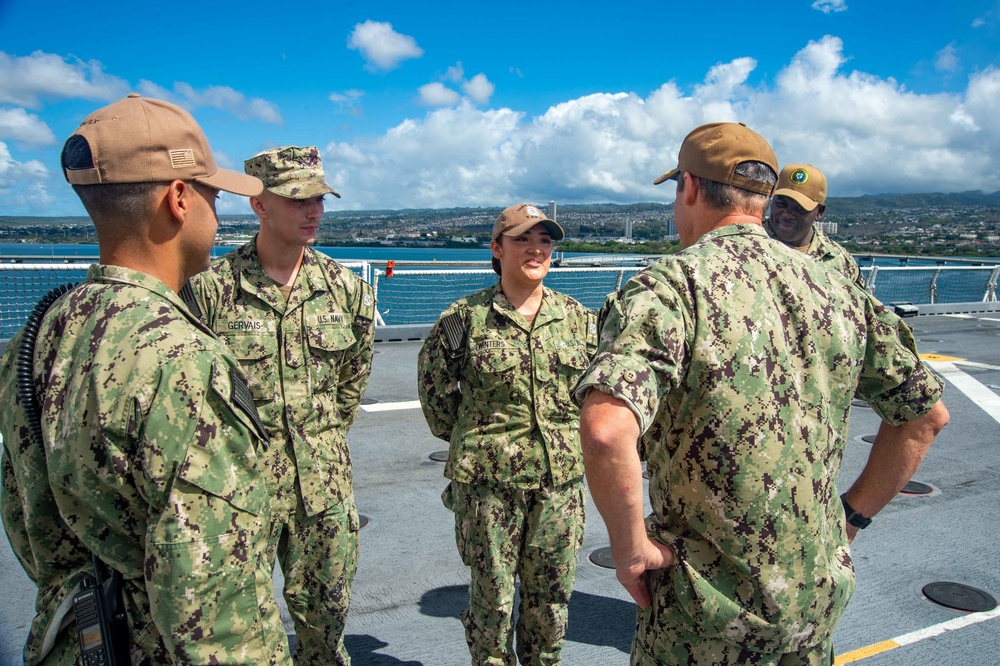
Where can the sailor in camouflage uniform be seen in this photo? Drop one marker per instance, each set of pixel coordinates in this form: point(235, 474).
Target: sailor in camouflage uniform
point(798, 203)
point(735, 361)
point(302, 327)
point(150, 443)
point(495, 376)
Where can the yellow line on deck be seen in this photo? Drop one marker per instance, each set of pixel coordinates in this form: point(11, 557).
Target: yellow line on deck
point(917, 636)
point(865, 652)
point(941, 358)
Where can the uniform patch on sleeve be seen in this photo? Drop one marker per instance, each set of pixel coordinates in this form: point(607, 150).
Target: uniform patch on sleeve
point(187, 295)
point(591, 329)
point(365, 316)
point(454, 332)
point(242, 398)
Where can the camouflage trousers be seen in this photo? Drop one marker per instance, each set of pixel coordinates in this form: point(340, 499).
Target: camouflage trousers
point(318, 557)
point(665, 635)
point(530, 534)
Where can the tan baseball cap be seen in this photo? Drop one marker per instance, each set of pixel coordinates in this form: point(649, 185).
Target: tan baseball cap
point(714, 151)
point(804, 183)
point(517, 219)
point(293, 172)
point(145, 140)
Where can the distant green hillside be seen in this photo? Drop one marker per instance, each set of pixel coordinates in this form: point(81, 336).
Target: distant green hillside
point(877, 202)
point(837, 205)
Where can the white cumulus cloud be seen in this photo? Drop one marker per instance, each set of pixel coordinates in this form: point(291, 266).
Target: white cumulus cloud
point(452, 157)
point(455, 73)
point(437, 94)
point(867, 133)
point(19, 125)
point(382, 47)
point(827, 6)
point(348, 101)
point(946, 60)
point(222, 98)
point(27, 80)
point(225, 98)
point(871, 135)
point(23, 185)
point(478, 88)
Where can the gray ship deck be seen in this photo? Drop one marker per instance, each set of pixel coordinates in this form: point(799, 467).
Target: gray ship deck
point(411, 585)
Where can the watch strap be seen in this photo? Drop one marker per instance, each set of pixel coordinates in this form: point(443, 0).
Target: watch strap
point(853, 517)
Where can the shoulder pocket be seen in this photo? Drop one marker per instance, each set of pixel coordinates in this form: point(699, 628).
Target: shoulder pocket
point(227, 465)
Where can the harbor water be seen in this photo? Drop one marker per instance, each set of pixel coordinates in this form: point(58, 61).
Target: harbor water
point(425, 280)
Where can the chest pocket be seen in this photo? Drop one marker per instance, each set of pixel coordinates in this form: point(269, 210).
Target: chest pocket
point(257, 355)
point(328, 345)
point(572, 361)
point(495, 368)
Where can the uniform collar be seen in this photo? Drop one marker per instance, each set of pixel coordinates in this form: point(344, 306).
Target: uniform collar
point(254, 280)
point(732, 230)
point(549, 310)
point(107, 273)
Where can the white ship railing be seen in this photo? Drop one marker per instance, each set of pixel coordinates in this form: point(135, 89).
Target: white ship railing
point(416, 296)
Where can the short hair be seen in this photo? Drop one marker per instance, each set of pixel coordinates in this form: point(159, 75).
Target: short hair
point(126, 202)
point(118, 201)
point(730, 197)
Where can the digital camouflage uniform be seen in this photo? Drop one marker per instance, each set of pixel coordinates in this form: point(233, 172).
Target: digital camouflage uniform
point(739, 358)
point(832, 255)
point(307, 362)
point(150, 460)
point(502, 398)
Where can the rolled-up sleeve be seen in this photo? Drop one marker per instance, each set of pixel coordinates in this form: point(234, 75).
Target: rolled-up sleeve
point(895, 382)
point(643, 348)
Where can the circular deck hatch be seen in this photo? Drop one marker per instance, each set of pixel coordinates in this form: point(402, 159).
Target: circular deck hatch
point(602, 558)
point(960, 597)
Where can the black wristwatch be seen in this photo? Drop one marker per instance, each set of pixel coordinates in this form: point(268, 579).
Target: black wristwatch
point(853, 517)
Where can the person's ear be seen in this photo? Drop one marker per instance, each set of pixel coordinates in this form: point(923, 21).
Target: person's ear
point(692, 188)
point(257, 205)
point(179, 198)
point(496, 248)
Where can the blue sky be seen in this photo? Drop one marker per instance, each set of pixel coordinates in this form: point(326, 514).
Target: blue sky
point(443, 104)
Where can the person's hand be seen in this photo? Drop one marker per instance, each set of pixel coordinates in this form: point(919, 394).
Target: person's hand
point(632, 571)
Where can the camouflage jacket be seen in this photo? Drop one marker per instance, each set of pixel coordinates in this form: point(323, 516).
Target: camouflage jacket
point(833, 256)
point(739, 357)
point(503, 399)
point(830, 253)
point(149, 462)
point(307, 360)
